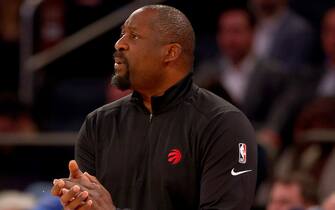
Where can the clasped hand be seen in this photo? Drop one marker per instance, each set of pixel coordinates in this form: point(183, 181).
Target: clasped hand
point(81, 191)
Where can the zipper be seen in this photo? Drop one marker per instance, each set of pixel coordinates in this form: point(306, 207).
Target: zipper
point(150, 117)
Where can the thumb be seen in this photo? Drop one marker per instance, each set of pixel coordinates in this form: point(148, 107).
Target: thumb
point(75, 172)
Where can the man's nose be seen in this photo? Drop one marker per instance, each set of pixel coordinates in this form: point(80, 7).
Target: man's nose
point(121, 44)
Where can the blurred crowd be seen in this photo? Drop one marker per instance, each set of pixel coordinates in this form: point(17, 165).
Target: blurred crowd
point(274, 59)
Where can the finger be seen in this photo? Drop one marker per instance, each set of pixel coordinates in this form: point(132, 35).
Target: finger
point(63, 192)
point(78, 201)
point(92, 178)
point(58, 184)
point(87, 205)
point(75, 172)
point(69, 195)
point(83, 186)
point(68, 184)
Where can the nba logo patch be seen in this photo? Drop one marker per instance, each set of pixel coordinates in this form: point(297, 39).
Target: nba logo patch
point(242, 153)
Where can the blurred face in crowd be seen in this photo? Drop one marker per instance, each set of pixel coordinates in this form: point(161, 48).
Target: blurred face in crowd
point(266, 7)
point(285, 196)
point(328, 35)
point(329, 203)
point(235, 35)
point(138, 56)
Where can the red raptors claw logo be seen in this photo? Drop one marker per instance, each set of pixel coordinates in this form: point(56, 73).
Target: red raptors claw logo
point(174, 157)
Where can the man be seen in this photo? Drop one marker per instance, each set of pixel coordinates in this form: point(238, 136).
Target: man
point(169, 145)
point(313, 82)
point(296, 191)
point(329, 202)
point(236, 73)
point(326, 83)
point(282, 34)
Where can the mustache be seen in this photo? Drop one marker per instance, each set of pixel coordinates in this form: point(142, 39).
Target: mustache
point(120, 56)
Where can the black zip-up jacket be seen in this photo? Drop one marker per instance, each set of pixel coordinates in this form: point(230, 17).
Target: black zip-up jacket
point(195, 151)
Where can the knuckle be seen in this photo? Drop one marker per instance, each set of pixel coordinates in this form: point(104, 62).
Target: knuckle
point(63, 200)
point(85, 207)
point(54, 189)
point(72, 205)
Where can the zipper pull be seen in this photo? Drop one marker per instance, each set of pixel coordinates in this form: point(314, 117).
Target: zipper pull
point(150, 118)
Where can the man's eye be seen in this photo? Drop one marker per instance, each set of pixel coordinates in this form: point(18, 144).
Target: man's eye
point(133, 36)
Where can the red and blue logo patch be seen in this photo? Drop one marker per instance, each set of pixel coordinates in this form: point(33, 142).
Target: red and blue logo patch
point(242, 153)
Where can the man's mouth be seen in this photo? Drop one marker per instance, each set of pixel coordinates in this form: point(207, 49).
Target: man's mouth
point(119, 57)
point(117, 66)
point(118, 60)
point(118, 63)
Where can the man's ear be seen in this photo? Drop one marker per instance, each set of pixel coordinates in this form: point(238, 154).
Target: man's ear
point(172, 52)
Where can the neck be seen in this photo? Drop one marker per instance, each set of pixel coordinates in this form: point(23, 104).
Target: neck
point(237, 61)
point(147, 100)
point(160, 89)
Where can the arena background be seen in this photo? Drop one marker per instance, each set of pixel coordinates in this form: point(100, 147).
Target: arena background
point(41, 112)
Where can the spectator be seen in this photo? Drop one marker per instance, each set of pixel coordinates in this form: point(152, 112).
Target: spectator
point(308, 85)
point(237, 74)
point(281, 34)
point(294, 191)
point(320, 81)
point(326, 86)
point(329, 203)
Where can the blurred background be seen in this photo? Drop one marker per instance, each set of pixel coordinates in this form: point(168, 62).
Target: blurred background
point(274, 59)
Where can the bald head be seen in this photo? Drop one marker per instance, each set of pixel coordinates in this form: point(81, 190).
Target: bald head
point(173, 27)
point(155, 49)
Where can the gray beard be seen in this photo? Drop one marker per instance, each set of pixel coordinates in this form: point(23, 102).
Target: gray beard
point(121, 82)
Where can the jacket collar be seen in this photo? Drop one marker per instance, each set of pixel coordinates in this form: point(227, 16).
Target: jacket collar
point(170, 98)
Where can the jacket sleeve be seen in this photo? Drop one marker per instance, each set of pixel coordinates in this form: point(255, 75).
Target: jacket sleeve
point(85, 148)
point(228, 163)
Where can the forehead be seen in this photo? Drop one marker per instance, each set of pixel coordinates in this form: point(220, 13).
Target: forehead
point(287, 189)
point(234, 17)
point(141, 20)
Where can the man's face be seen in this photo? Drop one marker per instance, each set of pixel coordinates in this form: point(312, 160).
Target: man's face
point(285, 197)
point(328, 34)
point(329, 203)
point(235, 35)
point(139, 56)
